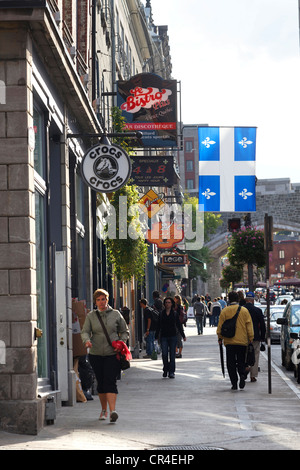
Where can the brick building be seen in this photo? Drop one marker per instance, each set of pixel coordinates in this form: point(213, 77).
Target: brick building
point(285, 260)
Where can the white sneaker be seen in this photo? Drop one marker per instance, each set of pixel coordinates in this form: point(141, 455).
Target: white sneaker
point(113, 416)
point(103, 415)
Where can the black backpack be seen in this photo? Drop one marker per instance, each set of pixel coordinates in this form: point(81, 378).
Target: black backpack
point(155, 316)
point(228, 327)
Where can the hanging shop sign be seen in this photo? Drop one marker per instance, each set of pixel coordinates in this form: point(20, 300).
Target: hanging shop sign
point(165, 235)
point(106, 168)
point(153, 171)
point(151, 203)
point(149, 105)
point(175, 260)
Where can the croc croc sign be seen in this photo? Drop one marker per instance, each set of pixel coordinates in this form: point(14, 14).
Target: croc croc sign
point(106, 168)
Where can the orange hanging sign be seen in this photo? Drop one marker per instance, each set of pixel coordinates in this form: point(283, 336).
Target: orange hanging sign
point(165, 235)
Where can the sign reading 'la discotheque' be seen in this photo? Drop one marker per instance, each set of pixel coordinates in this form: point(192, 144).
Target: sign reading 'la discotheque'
point(106, 168)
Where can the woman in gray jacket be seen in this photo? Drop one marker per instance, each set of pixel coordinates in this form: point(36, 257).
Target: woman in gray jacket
point(102, 355)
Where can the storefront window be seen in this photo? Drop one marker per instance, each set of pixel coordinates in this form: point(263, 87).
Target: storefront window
point(41, 284)
point(80, 237)
point(38, 125)
point(41, 242)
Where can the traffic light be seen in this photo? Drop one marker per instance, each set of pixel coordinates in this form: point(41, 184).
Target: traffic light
point(234, 224)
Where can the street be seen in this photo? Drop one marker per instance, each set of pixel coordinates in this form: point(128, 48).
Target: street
point(196, 411)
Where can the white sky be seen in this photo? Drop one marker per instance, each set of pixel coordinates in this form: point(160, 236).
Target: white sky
point(238, 63)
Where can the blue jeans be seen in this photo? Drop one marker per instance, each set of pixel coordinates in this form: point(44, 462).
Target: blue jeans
point(199, 323)
point(150, 343)
point(168, 351)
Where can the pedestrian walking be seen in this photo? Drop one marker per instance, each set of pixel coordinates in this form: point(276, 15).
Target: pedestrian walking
point(215, 312)
point(236, 347)
point(182, 318)
point(259, 328)
point(167, 332)
point(102, 356)
point(199, 311)
point(150, 328)
point(157, 302)
point(222, 302)
point(210, 317)
point(206, 312)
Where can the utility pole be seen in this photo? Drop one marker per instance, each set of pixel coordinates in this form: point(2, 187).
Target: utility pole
point(268, 225)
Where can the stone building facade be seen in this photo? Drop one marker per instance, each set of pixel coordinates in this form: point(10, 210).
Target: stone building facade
point(59, 60)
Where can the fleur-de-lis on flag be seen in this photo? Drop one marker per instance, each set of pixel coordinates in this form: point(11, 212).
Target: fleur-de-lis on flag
point(245, 194)
point(244, 142)
point(208, 193)
point(207, 142)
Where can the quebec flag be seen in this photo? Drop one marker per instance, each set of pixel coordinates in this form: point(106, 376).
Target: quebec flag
point(227, 169)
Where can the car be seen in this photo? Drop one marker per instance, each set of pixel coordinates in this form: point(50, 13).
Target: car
point(276, 311)
point(280, 298)
point(290, 323)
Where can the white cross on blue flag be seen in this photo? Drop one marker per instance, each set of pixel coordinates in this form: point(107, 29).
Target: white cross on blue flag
point(227, 169)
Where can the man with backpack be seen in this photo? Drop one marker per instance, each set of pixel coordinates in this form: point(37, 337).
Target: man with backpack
point(199, 311)
point(236, 345)
point(150, 323)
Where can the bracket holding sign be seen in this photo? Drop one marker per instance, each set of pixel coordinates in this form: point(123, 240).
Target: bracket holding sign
point(106, 167)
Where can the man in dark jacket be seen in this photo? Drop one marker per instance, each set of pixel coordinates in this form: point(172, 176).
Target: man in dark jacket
point(259, 328)
point(199, 311)
point(150, 328)
point(157, 302)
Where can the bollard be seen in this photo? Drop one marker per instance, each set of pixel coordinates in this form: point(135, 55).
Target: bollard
point(50, 410)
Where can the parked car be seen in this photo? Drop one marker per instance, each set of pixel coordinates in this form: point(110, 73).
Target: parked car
point(290, 323)
point(276, 311)
point(280, 298)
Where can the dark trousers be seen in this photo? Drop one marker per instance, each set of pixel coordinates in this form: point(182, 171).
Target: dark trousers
point(107, 370)
point(235, 358)
point(168, 352)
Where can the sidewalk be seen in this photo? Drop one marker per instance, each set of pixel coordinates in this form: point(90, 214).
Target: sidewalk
point(196, 410)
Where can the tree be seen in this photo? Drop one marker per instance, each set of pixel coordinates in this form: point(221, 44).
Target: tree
point(201, 257)
point(246, 246)
point(232, 274)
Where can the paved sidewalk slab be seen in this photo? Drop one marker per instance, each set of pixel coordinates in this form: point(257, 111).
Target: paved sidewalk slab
point(197, 409)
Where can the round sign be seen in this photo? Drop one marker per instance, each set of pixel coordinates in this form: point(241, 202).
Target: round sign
point(106, 168)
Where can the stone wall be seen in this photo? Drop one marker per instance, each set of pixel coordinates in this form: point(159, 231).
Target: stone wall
point(17, 236)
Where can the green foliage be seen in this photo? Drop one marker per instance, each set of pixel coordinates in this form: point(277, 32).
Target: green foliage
point(232, 274)
point(127, 253)
point(246, 246)
point(119, 127)
point(211, 222)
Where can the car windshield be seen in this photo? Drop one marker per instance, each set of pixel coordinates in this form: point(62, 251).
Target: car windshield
point(296, 315)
